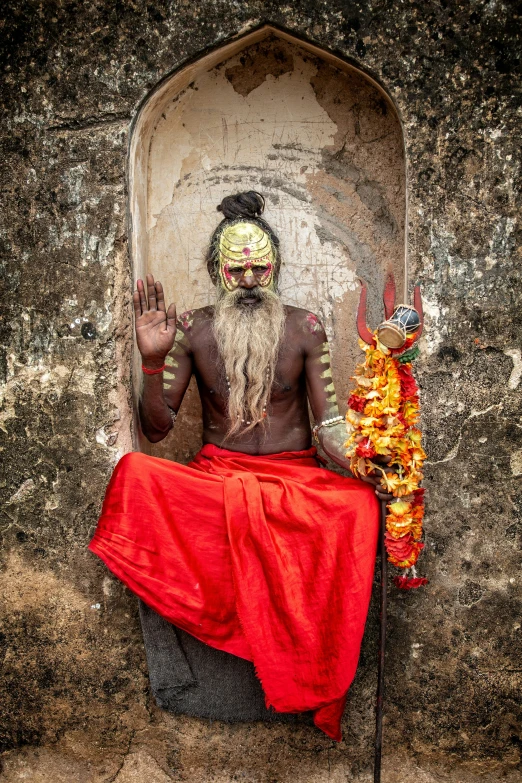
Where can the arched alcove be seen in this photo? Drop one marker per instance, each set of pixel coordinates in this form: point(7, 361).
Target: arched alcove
point(318, 137)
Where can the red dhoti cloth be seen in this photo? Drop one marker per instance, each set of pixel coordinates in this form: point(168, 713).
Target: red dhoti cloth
point(269, 558)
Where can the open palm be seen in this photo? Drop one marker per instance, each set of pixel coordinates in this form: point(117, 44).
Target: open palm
point(155, 327)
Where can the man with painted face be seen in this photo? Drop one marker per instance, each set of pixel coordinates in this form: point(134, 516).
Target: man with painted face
point(253, 548)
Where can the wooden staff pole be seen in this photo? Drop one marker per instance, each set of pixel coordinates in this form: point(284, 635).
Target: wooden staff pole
point(382, 649)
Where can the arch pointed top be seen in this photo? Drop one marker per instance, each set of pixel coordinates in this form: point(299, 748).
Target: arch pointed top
point(175, 82)
point(187, 71)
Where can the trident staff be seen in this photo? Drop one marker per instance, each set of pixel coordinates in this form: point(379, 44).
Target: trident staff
point(382, 413)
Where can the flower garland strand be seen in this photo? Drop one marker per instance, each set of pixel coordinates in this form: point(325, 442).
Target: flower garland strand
point(382, 413)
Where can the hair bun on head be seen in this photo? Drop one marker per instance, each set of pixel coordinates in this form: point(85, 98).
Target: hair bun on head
point(249, 204)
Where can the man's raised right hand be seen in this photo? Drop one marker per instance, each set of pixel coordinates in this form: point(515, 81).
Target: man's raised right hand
point(155, 328)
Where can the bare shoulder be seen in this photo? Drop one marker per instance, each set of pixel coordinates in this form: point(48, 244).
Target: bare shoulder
point(193, 327)
point(305, 326)
point(191, 321)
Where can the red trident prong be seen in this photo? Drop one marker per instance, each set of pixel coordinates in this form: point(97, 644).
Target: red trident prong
point(389, 296)
point(364, 333)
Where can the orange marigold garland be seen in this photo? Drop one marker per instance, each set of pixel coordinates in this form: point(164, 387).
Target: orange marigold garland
point(383, 411)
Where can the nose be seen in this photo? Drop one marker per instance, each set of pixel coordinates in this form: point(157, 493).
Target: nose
point(247, 279)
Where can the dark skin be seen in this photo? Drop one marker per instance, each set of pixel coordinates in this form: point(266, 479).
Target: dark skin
point(187, 345)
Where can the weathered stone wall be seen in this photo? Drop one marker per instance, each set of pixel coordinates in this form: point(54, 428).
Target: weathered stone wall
point(75, 692)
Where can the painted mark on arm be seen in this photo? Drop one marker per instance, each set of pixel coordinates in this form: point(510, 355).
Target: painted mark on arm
point(179, 350)
point(313, 323)
point(322, 356)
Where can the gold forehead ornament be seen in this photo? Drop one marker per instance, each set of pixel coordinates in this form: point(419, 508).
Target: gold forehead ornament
point(244, 242)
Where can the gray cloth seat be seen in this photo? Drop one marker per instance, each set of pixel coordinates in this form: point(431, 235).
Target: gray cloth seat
point(190, 678)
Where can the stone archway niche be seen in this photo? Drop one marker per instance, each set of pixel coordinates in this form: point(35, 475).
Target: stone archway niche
point(323, 143)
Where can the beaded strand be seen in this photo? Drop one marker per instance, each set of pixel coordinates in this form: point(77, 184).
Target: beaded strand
point(326, 423)
point(264, 406)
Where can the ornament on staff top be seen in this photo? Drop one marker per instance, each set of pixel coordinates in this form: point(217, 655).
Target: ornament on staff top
point(404, 322)
point(382, 413)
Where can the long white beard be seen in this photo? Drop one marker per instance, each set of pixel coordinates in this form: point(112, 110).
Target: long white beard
point(248, 339)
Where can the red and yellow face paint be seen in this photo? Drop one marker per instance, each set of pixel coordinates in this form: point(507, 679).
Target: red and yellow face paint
point(245, 252)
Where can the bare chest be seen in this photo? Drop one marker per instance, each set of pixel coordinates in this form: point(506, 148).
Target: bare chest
point(210, 371)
